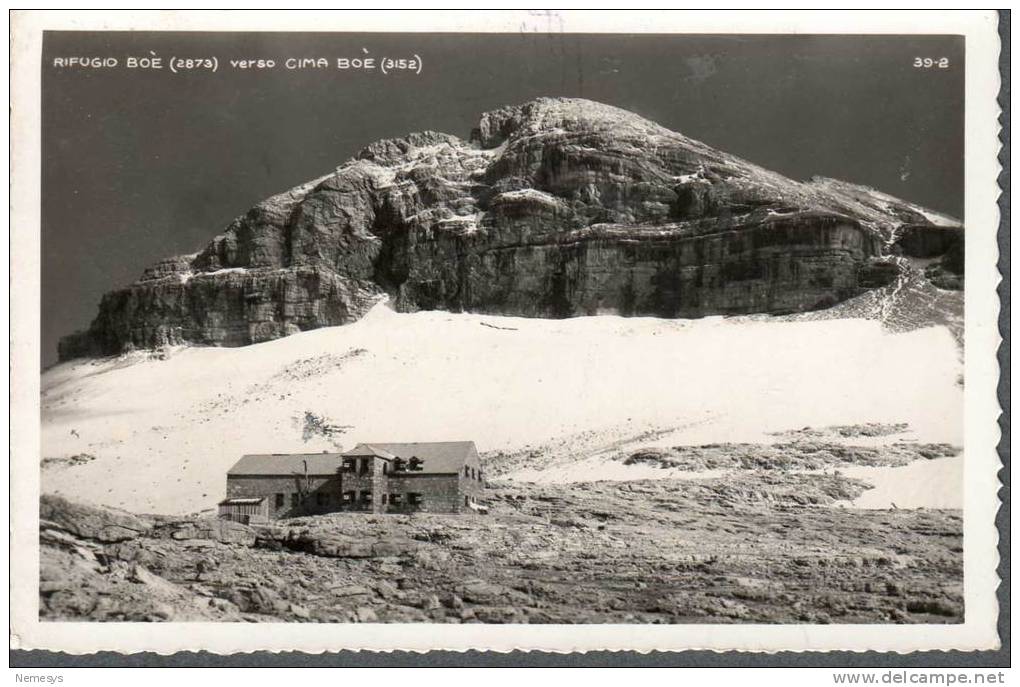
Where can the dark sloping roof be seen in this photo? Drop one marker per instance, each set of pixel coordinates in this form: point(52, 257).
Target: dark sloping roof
point(286, 464)
point(369, 450)
point(437, 456)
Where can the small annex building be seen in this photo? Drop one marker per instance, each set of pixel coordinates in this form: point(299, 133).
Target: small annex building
point(427, 477)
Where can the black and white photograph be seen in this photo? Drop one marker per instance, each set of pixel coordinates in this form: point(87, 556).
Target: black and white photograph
point(541, 327)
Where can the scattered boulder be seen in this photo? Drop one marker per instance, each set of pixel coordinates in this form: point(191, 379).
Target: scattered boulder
point(260, 599)
point(86, 522)
point(351, 590)
point(366, 614)
point(336, 546)
point(299, 611)
point(487, 593)
point(223, 531)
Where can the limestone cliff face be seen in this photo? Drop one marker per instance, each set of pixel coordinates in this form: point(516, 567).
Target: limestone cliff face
point(554, 208)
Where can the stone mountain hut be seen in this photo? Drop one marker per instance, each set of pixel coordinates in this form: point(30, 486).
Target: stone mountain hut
point(427, 477)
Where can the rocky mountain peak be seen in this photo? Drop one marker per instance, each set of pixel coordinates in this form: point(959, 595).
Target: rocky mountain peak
point(556, 115)
point(556, 207)
point(391, 151)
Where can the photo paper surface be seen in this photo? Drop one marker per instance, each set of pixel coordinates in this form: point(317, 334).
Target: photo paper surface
point(558, 331)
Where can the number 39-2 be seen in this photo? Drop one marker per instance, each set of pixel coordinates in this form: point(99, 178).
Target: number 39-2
point(931, 63)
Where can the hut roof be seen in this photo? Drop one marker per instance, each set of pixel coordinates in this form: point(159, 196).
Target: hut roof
point(438, 457)
point(286, 464)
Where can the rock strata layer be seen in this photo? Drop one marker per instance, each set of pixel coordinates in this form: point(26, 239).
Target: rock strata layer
point(554, 208)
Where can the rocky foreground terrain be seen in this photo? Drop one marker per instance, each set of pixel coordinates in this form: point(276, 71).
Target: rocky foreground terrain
point(554, 208)
point(758, 546)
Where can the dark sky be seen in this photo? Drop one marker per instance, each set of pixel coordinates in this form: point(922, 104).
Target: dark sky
point(140, 165)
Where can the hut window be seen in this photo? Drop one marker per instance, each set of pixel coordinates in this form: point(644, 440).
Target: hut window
point(466, 469)
point(348, 465)
point(384, 499)
point(279, 500)
point(294, 500)
point(364, 465)
point(414, 499)
point(348, 496)
point(366, 497)
point(395, 499)
point(385, 468)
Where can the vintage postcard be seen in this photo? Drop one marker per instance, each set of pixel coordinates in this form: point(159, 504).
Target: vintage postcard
point(557, 331)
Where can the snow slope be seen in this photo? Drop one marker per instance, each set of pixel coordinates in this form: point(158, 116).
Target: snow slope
point(921, 484)
point(163, 432)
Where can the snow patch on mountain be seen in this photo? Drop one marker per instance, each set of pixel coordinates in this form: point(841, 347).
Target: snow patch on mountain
point(164, 429)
